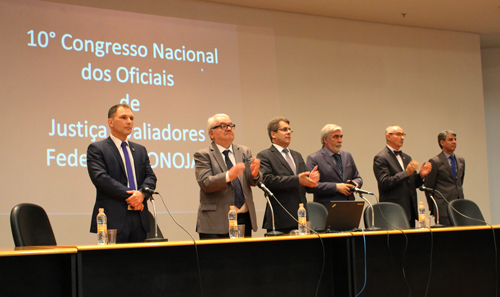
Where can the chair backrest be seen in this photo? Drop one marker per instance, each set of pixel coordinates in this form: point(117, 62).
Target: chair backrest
point(31, 226)
point(468, 208)
point(152, 226)
point(317, 215)
point(388, 216)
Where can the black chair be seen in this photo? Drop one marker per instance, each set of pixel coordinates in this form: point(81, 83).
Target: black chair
point(31, 226)
point(317, 215)
point(468, 208)
point(388, 216)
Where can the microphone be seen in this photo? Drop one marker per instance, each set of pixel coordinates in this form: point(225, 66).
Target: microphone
point(264, 188)
point(424, 189)
point(430, 191)
point(360, 191)
point(149, 191)
point(156, 238)
point(269, 193)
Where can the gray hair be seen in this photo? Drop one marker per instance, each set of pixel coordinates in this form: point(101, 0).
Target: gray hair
point(442, 136)
point(274, 125)
point(325, 132)
point(389, 128)
point(211, 120)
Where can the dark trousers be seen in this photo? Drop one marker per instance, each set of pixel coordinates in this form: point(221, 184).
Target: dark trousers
point(132, 231)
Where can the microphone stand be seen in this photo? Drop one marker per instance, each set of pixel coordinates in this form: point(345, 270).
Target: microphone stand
point(156, 238)
point(372, 228)
point(274, 232)
point(437, 225)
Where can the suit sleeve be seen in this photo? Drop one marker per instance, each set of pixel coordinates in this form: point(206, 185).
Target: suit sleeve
point(356, 177)
point(98, 173)
point(150, 177)
point(463, 174)
point(207, 180)
point(271, 177)
point(430, 182)
point(383, 175)
point(252, 181)
point(323, 186)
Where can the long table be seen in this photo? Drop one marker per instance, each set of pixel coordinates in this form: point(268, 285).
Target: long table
point(452, 261)
point(462, 264)
point(38, 271)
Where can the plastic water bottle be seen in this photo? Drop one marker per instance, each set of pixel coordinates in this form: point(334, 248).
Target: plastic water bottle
point(233, 222)
point(302, 214)
point(421, 215)
point(102, 227)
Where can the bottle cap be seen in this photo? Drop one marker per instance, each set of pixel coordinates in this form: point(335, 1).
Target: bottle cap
point(301, 204)
point(232, 207)
point(420, 202)
point(101, 209)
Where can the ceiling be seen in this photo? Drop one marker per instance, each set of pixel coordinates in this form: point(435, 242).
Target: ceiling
point(475, 16)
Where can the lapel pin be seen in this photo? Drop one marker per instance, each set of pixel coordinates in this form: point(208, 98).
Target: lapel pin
point(133, 149)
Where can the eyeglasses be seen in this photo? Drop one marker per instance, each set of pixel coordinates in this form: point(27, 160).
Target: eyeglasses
point(224, 126)
point(398, 134)
point(285, 130)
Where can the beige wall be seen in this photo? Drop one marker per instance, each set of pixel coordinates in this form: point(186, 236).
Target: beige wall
point(361, 76)
point(491, 83)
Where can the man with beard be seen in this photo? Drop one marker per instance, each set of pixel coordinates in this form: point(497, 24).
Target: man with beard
point(338, 172)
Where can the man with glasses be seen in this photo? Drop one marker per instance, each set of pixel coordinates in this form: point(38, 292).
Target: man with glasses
point(396, 174)
point(446, 176)
point(225, 172)
point(285, 174)
point(338, 172)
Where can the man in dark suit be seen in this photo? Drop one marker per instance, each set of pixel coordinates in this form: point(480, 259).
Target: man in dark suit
point(338, 172)
point(285, 174)
point(120, 169)
point(396, 174)
point(446, 176)
point(225, 173)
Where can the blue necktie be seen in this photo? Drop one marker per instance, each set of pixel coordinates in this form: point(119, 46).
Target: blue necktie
point(130, 173)
point(239, 198)
point(338, 161)
point(453, 167)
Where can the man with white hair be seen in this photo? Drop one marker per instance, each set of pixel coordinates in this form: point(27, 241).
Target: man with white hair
point(338, 172)
point(396, 173)
point(225, 172)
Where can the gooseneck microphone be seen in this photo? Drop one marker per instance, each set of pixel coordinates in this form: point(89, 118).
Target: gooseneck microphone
point(361, 192)
point(149, 191)
point(354, 189)
point(430, 192)
point(264, 188)
point(156, 238)
point(269, 193)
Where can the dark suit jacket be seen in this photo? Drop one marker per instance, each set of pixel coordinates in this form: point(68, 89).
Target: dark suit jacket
point(330, 176)
point(108, 174)
point(394, 184)
point(441, 179)
point(280, 180)
point(216, 196)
